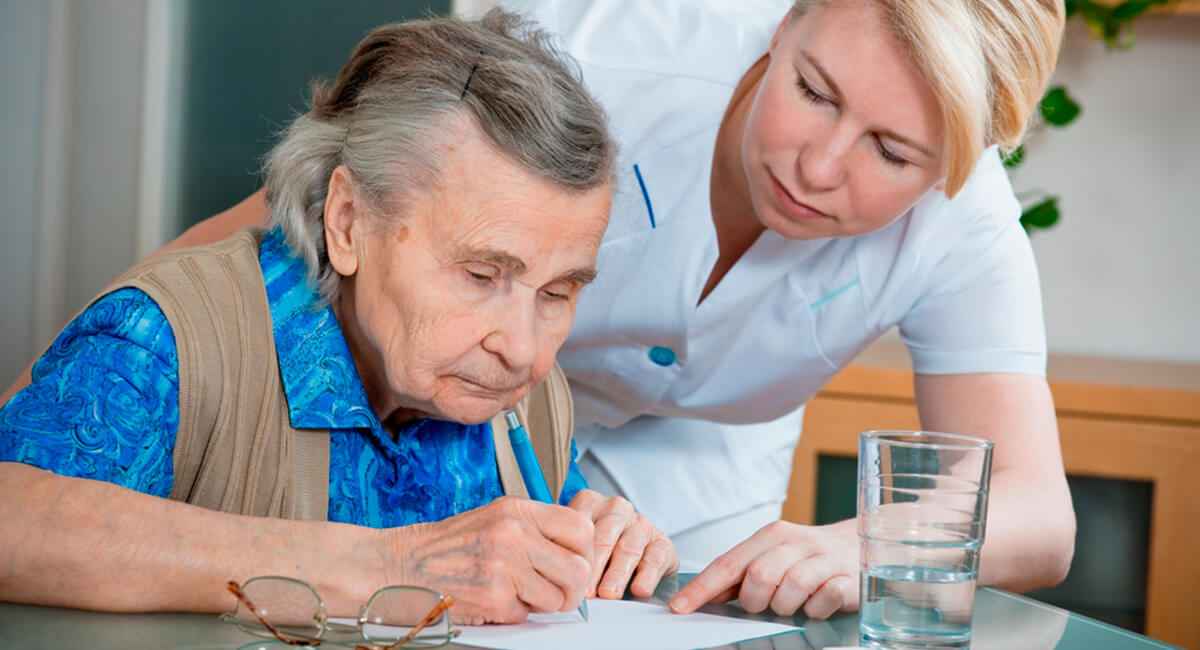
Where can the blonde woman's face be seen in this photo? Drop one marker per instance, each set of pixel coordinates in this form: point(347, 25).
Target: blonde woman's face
point(843, 134)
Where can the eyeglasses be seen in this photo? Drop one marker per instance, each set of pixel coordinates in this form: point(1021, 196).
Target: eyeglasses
point(291, 611)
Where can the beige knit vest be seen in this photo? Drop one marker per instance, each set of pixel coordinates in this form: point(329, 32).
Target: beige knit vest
point(235, 449)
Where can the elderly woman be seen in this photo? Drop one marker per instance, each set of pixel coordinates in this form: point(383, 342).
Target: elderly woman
point(434, 218)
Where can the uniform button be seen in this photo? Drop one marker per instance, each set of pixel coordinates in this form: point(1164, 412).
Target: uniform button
point(662, 356)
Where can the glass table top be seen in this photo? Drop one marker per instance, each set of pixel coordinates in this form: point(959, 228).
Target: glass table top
point(1002, 620)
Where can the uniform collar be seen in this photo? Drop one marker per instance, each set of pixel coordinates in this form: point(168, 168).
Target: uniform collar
point(320, 381)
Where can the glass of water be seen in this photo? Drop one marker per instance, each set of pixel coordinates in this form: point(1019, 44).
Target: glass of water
point(922, 506)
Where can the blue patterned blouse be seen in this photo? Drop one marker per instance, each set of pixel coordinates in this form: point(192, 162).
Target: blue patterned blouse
point(104, 405)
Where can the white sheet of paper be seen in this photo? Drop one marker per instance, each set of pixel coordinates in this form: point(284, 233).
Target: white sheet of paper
point(619, 624)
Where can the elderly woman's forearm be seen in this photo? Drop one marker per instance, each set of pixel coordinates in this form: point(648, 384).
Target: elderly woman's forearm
point(88, 544)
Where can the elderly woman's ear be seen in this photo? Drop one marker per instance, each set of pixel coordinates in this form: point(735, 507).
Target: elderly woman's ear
point(344, 222)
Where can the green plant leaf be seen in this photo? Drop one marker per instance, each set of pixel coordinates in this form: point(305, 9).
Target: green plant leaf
point(1093, 13)
point(1015, 157)
point(1043, 214)
point(1113, 32)
point(1096, 17)
point(1057, 107)
point(1131, 9)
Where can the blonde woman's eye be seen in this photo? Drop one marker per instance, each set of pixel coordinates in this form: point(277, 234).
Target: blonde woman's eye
point(889, 157)
point(810, 94)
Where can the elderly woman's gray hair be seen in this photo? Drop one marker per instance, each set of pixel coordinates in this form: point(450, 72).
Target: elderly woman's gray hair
point(404, 83)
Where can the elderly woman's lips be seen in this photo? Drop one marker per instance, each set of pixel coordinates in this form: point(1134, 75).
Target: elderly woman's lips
point(490, 386)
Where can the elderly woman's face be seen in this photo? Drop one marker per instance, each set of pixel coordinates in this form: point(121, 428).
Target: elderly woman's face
point(458, 309)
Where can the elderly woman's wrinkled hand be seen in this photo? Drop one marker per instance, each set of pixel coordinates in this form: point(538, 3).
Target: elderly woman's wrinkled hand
point(502, 561)
point(625, 541)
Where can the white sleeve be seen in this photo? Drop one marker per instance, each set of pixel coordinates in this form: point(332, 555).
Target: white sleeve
point(712, 40)
point(981, 305)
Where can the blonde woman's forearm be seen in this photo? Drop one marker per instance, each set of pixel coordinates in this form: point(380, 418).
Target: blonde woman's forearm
point(252, 211)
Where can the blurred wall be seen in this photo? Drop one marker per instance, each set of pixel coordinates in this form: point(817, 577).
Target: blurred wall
point(105, 147)
point(70, 145)
point(1121, 271)
point(22, 72)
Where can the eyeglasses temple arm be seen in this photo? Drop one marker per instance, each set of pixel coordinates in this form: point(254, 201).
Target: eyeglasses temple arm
point(433, 615)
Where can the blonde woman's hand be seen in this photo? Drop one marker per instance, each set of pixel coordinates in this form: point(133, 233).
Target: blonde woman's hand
point(786, 567)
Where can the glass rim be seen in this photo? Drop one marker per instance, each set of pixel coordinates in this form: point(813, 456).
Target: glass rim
point(936, 439)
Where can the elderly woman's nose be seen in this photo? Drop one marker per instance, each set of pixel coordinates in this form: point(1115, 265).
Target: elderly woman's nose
point(514, 338)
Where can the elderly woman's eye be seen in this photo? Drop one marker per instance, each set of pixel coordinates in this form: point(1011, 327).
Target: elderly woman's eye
point(482, 274)
point(556, 294)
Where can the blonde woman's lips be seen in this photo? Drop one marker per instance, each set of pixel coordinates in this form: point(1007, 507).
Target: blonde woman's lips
point(795, 209)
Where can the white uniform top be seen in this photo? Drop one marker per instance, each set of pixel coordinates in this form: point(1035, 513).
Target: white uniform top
point(695, 411)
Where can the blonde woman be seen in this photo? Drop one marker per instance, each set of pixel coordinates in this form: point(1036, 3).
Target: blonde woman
point(794, 181)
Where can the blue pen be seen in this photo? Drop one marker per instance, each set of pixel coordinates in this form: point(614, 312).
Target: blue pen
point(531, 471)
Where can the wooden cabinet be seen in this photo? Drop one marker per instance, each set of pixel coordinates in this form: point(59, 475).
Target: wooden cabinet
point(1117, 420)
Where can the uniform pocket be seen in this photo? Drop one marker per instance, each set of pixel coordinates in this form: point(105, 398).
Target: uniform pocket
point(834, 310)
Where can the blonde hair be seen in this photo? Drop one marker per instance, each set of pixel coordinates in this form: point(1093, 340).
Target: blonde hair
point(987, 62)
